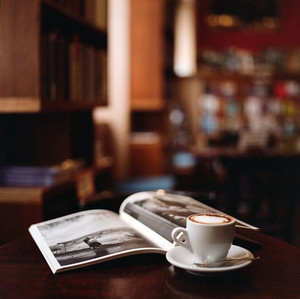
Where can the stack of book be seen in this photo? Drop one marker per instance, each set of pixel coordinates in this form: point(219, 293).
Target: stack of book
point(38, 176)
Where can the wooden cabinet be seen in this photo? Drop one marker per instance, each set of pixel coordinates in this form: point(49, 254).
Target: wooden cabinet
point(147, 55)
point(148, 103)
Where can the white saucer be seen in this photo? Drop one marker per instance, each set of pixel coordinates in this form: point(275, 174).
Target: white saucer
point(182, 258)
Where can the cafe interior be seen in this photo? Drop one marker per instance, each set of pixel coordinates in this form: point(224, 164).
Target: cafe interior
point(196, 102)
point(198, 97)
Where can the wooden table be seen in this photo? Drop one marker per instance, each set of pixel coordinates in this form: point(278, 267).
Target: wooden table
point(25, 274)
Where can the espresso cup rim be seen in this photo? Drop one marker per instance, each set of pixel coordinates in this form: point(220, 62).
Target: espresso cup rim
point(210, 224)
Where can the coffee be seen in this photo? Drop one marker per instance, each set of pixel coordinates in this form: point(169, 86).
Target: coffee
point(211, 219)
point(208, 236)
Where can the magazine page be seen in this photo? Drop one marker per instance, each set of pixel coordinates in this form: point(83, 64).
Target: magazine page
point(156, 214)
point(86, 238)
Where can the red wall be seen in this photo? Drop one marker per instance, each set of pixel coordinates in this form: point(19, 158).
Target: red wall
point(287, 36)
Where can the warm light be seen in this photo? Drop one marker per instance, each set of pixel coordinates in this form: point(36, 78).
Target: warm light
point(185, 53)
point(269, 23)
point(226, 20)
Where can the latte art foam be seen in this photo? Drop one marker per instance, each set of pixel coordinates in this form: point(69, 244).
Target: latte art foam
point(211, 219)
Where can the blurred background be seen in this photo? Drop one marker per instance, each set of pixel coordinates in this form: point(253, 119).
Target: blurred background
point(100, 99)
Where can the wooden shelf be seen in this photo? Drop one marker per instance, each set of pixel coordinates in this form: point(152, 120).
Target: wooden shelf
point(19, 104)
point(24, 195)
point(223, 75)
point(74, 17)
point(28, 205)
point(32, 70)
point(61, 106)
point(147, 104)
point(34, 105)
point(148, 145)
point(39, 40)
point(25, 76)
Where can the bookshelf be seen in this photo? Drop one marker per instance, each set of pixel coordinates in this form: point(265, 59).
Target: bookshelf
point(53, 56)
point(28, 205)
point(53, 72)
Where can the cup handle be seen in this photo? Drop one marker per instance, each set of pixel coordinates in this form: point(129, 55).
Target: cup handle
point(177, 235)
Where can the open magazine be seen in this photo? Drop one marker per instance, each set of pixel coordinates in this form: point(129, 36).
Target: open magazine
point(143, 225)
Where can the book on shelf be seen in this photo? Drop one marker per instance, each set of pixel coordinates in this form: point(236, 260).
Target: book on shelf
point(72, 70)
point(51, 51)
point(101, 13)
point(101, 76)
point(95, 12)
point(55, 67)
point(39, 176)
point(88, 73)
point(143, 225)
point(61, 69)
point(75, 69)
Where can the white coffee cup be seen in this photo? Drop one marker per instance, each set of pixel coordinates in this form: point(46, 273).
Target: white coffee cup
point(207, 236)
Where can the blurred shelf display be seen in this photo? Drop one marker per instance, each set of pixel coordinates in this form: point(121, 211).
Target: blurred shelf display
point(249, 99)
point(239, 61)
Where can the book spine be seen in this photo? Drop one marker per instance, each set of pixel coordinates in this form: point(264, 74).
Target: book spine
point(101, 76)
point(27, 180)
point(51, 66)
point(75, 58)
point(61, 69)
point(29, 170)
point(72, 70)
point(100, 17)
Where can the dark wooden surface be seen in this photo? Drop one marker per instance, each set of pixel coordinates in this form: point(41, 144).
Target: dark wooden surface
point(25, 274)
